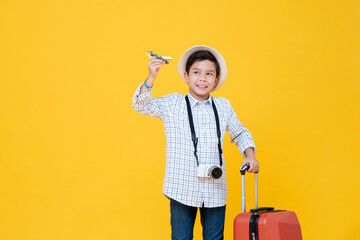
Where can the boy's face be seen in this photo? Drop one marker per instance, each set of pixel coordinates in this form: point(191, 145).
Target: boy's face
point(201, 79)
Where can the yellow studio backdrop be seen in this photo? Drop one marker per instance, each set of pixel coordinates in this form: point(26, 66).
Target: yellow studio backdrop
point(78, 163)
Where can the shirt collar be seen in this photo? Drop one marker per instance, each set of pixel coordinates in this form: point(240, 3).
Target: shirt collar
point(194, 101)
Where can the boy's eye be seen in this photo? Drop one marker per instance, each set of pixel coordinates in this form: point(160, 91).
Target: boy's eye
point(196, 72)
point(210, 74)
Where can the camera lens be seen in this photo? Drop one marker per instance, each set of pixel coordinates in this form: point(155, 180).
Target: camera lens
point(216, 173)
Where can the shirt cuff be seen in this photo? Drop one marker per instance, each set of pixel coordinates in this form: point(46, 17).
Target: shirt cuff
point(142, 97)
point(245, 146)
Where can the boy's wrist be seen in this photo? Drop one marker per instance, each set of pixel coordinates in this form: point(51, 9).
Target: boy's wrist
point(151, 77)
point(249, 152)
point(148, 87)
point(150, 81)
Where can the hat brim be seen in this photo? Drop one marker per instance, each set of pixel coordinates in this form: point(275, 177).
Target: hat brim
point(184, 57)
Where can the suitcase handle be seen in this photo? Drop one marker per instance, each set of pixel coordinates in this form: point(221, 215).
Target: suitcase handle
point(262, 209)
point(242, 171)
point(244, 168)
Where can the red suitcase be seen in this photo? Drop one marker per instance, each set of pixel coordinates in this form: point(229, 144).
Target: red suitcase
point(265, 223)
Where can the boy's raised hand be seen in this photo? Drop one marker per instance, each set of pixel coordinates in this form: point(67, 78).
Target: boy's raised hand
point(154, 66)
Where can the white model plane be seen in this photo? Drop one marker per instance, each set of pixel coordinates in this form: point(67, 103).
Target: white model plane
point(152, 54)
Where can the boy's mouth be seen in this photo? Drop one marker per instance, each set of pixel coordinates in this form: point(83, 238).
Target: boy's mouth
point(201, 86)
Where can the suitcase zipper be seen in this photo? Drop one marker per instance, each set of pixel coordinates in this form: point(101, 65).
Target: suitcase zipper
point(253, 236)
point(253, 225)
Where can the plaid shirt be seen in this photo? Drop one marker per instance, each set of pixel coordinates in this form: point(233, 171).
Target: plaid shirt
point(181, 182)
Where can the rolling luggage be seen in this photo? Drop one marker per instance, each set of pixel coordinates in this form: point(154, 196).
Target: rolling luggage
point(264, 223)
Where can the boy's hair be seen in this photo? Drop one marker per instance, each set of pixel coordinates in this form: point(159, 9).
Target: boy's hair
point(200, 56)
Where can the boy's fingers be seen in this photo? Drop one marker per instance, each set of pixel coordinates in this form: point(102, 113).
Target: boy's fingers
point(157, 64)
point(254, 166)
point(157, 61)
point(153, 59)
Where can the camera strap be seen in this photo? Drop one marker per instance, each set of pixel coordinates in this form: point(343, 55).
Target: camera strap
point(193, 134)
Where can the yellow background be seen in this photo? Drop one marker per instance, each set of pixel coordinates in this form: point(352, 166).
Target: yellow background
point(78, 163)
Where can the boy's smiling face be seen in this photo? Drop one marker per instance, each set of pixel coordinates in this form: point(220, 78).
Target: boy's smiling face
point(201, 79)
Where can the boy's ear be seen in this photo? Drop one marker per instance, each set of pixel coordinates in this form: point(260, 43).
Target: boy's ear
point(217, 80)
point(186, 76)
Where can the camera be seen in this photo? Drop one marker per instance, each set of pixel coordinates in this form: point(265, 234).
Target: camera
point(209, 171)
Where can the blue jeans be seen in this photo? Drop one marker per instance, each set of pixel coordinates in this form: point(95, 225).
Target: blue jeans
point(183, 220)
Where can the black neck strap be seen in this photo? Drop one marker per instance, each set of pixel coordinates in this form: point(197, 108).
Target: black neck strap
point(192, 128)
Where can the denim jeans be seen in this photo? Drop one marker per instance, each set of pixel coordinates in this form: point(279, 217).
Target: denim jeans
point(183, 220)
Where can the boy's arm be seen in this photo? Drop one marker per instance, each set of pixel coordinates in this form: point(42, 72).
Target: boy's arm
point(242, 137)
point(142, 100)
point(154, 68)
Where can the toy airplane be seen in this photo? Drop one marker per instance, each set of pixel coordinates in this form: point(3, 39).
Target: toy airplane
point(166, 59)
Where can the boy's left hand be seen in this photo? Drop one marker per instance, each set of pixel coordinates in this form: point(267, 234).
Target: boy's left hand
point(254, 164)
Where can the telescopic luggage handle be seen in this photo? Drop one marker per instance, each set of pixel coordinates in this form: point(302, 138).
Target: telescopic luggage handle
point(243, 169)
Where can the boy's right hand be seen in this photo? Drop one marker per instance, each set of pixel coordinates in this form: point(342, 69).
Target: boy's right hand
point(154, 66)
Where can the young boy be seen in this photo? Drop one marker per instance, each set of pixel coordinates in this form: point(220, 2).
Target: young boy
point(195, 174)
